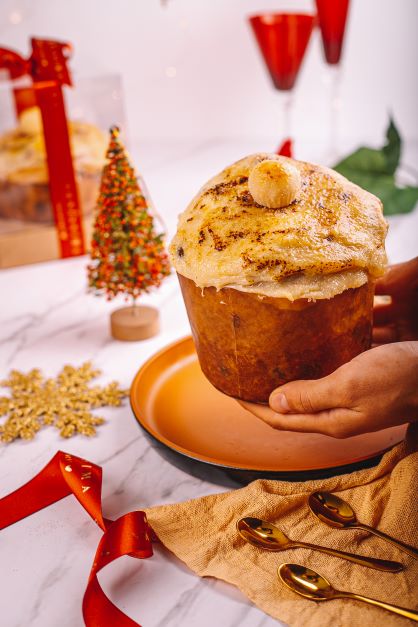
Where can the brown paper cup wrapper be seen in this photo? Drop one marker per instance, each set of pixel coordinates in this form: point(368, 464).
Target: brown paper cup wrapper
point(248, 344)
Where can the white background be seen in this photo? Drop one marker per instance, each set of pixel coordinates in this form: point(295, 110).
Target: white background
point(220, 88)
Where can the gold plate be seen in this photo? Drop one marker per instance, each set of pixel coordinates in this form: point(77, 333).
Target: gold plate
point(183, 413)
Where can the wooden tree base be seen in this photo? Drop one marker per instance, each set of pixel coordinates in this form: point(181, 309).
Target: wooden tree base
point(131, 324)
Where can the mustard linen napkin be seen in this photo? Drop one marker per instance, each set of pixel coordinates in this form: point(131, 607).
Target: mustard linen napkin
point(202, 533)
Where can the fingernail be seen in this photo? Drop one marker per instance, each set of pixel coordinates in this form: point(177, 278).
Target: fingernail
point(279, 403)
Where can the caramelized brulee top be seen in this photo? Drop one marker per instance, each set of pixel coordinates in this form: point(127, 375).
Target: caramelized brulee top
point(279, 227)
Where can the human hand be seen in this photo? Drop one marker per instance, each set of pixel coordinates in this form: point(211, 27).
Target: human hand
point(375, 390)
point(397, 321)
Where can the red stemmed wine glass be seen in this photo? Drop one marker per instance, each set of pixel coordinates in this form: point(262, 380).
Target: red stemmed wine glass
point(332, 18)
point(283, 39)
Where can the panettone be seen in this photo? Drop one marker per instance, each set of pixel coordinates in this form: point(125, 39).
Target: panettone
point(277, 260)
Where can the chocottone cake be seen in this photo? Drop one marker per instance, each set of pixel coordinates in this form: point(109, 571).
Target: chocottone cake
point(281, 228)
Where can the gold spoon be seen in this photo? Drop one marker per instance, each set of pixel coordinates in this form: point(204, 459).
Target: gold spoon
point(264, 535)
point(338, 513)
point(311, 585)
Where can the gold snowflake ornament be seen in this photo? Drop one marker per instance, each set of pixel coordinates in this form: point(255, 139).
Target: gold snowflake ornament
point(65, 402)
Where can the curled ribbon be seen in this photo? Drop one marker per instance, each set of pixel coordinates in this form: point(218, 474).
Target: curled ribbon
point(47, 66)
point(128, 535)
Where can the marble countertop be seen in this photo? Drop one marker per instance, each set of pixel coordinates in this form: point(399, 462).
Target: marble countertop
point(47, 319)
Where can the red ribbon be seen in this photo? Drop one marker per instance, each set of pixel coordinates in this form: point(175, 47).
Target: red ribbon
point(128, 535)
point(47, 66)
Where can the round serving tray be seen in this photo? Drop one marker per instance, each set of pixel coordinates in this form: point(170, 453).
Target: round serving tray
point(209, 435)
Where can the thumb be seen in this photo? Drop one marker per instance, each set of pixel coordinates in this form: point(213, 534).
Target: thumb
point(305, 397)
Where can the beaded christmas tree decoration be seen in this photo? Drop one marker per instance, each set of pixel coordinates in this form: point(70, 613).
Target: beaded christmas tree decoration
point(127, 255)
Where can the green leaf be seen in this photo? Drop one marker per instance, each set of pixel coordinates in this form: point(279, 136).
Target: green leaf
point(392, 150)
point(363, 160)
point(401, 200)
point(374, 170)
